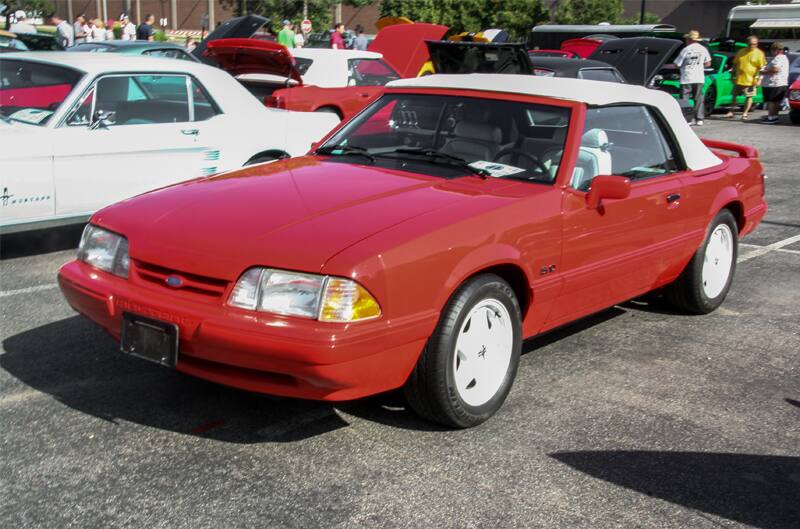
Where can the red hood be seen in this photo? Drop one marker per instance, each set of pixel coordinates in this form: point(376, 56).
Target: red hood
point(403, 45)
point(293, 214)
point(244, 56)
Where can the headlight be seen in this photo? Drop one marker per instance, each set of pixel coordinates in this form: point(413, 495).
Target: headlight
point(104, 250)
point(794, 95)
point(324, 298)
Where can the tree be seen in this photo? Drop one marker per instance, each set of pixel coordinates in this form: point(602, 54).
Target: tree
point(589, 12)
point(320, 12)
point(515, 16)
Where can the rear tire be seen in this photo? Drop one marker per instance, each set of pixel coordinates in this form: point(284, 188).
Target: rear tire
point(704, 283)
point(470, 361)
point(794, 116)
point(710, 100)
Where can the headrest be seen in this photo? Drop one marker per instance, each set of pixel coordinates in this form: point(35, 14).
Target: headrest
point(478, 131)
point(594, 138)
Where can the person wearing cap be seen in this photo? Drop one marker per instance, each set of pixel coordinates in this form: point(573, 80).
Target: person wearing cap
point(747, 65)
point(692, 60)
point(21, 25)
point(128, 27)
point(286, 35)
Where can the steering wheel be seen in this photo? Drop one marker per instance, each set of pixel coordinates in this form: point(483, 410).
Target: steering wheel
point(519, 152)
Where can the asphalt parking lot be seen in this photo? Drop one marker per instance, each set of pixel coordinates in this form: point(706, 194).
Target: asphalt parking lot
point(637, 417)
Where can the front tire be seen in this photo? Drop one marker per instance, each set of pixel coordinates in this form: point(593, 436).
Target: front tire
point(470, 361)
point(704, 283)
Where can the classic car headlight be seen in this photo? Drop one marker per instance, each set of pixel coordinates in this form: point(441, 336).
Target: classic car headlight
point(323, 298)
point(104, 250)
point(794, 95)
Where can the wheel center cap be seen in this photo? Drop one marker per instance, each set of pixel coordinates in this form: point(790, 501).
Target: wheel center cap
point(482, 352)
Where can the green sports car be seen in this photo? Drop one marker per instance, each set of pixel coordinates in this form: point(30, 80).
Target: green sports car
point(718, 88)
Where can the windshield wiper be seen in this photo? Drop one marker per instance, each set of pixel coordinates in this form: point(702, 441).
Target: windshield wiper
point(435, 156)
point(339, 150)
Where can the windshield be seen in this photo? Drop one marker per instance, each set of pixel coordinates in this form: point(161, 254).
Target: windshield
point(452, 136)
point(32, 92)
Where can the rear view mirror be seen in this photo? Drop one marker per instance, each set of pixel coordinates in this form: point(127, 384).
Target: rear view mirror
point(607, 187)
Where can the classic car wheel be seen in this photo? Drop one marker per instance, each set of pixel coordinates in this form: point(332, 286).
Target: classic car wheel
point(469, 363)
point(705, 281)
point(330, 110)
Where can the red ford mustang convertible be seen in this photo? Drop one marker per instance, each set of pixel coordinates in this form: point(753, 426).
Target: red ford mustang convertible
point(422, 241)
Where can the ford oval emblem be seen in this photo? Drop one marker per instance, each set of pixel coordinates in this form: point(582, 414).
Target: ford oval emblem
point(174, 281)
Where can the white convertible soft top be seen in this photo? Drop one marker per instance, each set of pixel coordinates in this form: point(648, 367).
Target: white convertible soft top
point(697, 155)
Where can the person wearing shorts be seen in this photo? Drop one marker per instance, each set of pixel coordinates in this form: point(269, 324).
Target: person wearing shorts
point(747, 65)
point(775, 82)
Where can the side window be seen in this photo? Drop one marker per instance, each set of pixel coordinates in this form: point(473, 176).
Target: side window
point(204, 106)
point(622, 140)
point(172, 53)
point(135, 100)
point(600, 74)
point(369, 72)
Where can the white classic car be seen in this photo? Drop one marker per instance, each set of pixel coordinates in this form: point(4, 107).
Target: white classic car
point(81, 131)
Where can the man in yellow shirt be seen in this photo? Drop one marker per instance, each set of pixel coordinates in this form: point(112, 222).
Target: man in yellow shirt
point(747, 65)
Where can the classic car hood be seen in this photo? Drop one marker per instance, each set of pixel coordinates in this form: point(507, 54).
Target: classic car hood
point(479, 57)
point(292, 214)
point(235, 28)
point(403, 45)
point(638, 59)
point(252, 56)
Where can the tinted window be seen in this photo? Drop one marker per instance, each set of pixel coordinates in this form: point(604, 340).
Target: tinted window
point(622, 140)
point(204, 106)
point(430, 134)
point(369, 72)
point(302, 64)
point(31, 92)
point(599, 74)
point(169, 53)
point(135, 100)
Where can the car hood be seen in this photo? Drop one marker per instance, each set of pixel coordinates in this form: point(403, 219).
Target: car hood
point(293, 214)
point(403, 45)
point(253, 56)
point(479, 57)
point(638, 59)
point(235, 28)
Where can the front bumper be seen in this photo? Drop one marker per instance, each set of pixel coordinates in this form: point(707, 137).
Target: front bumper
point(256, 351)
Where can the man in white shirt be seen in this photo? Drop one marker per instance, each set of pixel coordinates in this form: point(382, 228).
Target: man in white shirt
point(21, 25)
point(693, 60)
point(64, 32)
point(128, 27)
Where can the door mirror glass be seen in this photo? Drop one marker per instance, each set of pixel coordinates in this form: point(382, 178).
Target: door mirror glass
point(607, 187)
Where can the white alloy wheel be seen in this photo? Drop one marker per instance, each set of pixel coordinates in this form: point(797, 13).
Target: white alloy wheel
point(718, 260)
point(483, 352)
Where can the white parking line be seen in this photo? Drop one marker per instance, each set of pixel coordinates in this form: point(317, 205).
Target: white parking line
point(28, 290)
point(761, 250)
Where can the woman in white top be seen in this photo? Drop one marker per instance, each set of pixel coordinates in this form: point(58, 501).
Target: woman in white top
point(98, 30)
point(128, 28)
point(775, 81)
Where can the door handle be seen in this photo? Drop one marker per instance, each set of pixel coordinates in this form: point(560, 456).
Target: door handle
point(673, 197)
point(362, 94)
point(190, 132)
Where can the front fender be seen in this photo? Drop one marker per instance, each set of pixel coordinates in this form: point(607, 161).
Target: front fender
point(483, 258)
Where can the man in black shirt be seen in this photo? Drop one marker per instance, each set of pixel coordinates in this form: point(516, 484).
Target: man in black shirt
point(145, 30)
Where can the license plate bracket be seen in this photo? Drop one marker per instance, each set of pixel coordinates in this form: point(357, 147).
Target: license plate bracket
point(153, 340)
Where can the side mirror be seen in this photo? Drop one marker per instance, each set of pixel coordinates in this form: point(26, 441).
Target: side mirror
point(607, 187)
point(102, 119)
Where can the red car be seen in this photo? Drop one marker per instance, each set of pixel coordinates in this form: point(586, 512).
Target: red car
point(422, 241)
point(324, 80)
point(794, 102)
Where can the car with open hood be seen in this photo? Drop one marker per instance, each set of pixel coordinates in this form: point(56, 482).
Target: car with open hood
point(83, 130)
point(422, 241)
point(340, 82)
